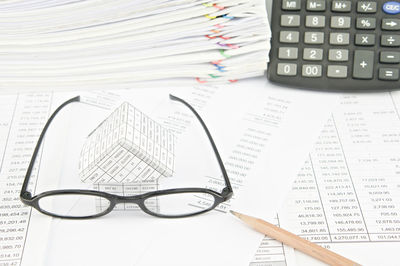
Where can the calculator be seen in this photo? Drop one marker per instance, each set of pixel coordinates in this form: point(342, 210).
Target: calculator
point(335, 44)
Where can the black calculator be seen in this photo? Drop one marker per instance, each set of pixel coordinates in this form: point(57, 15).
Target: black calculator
point(335, 44)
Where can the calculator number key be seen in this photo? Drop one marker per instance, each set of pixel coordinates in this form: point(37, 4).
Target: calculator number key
point(340, 22)
point(338, 55)
point(286, 69)
point(288, 52)
point(314, 37)
point(315, 21)
point(312, 71)
point(336, 38)
point(312, 54)
point(289, 37)
point(290, 20)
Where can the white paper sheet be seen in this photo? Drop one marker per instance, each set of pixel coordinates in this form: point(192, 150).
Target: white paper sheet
point(293, 129)
point(347, 195)
point(210, 239)
point(128, 238)
point(207, 231)
point(23, 232)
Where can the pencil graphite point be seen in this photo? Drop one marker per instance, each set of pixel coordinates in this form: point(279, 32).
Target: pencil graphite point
point(235, 213)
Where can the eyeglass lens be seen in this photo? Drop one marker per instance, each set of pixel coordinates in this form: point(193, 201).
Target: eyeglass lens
point(74, 205)
point(179, 203)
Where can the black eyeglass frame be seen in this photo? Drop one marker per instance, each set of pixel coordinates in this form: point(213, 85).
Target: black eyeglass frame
point(33, 201)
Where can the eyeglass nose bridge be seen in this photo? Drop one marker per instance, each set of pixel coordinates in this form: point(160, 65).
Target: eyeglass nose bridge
point(138, 199)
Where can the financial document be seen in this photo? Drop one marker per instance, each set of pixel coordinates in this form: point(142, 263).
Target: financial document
point(22, 117)
point(255, 117)
point(346, 196)
point(137, 236)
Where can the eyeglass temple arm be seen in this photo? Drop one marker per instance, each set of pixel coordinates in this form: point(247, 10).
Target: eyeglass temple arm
point(24, 193)
point(228, 189)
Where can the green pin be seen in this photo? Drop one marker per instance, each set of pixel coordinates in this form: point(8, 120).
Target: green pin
point(222, 52)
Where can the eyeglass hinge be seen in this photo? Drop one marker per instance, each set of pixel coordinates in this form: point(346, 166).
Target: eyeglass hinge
point(227, 193)
point(26, 195)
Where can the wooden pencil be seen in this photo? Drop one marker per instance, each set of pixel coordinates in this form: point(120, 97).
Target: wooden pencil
point(294, 241)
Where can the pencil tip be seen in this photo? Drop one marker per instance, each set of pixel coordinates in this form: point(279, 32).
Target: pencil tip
point(234, 213)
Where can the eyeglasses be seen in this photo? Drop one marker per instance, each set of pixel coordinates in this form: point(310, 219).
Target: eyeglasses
point(83, 204)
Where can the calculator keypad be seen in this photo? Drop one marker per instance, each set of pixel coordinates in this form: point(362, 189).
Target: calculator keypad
point(336, 44)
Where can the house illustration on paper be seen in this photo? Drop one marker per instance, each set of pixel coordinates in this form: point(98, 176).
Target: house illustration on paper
point(127, 148)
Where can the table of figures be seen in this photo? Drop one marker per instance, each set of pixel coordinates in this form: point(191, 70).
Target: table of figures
point(270, 252)
point(22, 118)
point(349, 188)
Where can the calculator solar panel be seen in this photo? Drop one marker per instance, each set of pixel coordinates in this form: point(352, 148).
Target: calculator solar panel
point(335, 44)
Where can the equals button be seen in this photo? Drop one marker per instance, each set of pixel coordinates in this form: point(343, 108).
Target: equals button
point(389, 74)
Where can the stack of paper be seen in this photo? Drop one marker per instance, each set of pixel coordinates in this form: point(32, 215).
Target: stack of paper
point(73, 43)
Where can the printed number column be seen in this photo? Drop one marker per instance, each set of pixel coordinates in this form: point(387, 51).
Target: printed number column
point(24, 124)
point(303, 213)
point(371, 137)
point(338, 196)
